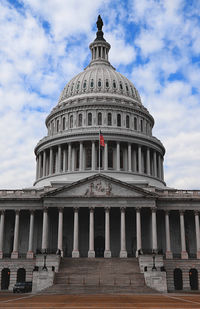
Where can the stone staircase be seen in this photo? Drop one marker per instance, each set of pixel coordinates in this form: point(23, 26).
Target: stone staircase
point(96, 276)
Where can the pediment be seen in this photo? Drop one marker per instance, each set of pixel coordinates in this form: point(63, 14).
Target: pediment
point(100, 186)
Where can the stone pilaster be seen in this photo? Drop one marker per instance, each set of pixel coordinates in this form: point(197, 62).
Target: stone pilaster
point(75, 252)
point(30, 253)
point(168, 252)
point(123, 252)
point(60, 231)
point(91, 252)
point(2, 233)
point(107, 252)
point(45, 230)
point(184, 254)
point(154, 231)
point(15, 252)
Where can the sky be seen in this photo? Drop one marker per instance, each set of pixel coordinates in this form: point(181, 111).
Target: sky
point(156, 44)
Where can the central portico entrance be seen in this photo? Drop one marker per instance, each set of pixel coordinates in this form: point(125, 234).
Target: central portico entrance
point(99, 246)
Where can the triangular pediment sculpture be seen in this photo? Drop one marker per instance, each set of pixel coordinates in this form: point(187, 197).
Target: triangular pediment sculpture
point(99, 185)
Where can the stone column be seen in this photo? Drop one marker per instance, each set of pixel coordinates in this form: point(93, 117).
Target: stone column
point(138, 231)
point(45, 230)
point(184, 254)
point(123, 252)
point(51, 161)
point(69, 157)
point(60, 231)
point(168, 252)
point(118, 156)
point(129, 158)
point(159, 167)
point(44, 164)
point(155, 164)
point(91, 252)
point(64, 160)
point(139, 159)
point(81, 156)
point(73, 159)
point(93, 156)
point(107, 252)
point(39, 166)
point(154, 231)
point(59, 159)
point(148, 162)
point(196, 213)
point(75, 252)
point(15, 252)
point(106, 156)
point(2, 233)
point(30, 253)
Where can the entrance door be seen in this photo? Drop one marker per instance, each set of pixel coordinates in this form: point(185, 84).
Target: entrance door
point(5, 278)
point(193, 273)
point(178, 279)
point(21, 275)
point(99, 246)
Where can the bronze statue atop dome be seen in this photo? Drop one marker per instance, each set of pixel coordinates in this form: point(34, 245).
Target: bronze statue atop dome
point(99, 23)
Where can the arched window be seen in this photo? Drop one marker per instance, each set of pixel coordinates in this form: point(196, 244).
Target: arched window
point(89, 119)
point(63, 123)
point(21, 275)
point(99, 83)
point(118, 120)
point(92, 83)
point(99, 119)
point(71, 121)
point(57, 126)
point(135, 123)
point(178, 279)
point(5, 278)
point(114, 84)
point(127, 122)
point(109, 119)
point(80, 120)
point(84, 84)
point(121, 87)
point(78, 85)
point(141, 125)
point(193, 275)
point(107, 83)
point(126, 87)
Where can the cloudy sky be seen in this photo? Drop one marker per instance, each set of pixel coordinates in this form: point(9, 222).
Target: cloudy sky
point(156, 44)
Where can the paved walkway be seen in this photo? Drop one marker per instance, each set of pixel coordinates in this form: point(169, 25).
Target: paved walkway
point(163, 301)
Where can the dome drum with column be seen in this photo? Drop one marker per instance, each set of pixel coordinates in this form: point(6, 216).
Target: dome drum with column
point(100, 98)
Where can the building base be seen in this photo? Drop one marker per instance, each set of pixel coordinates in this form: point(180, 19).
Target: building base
point(75, 254)
point(107, 254)
point(123, 254)
point(91, 254)
point(184, 255)
point(15, 255)
point(30, 255)
point(168, 255)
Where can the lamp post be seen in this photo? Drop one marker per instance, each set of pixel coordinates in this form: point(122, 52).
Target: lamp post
point(45, 257)
point(154, 265)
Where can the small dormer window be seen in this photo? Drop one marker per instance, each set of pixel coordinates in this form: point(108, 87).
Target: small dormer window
point(84, 84)
point(107, 83)
point(114, 84)
point(78, 85)
point(92, 83)
point(99, 83)
point(121, 87)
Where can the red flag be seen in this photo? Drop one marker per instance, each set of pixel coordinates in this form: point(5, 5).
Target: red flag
point(101, 139)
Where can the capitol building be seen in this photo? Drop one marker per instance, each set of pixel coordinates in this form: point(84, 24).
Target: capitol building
point(100, 216)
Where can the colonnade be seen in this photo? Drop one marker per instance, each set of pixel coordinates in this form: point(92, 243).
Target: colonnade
point(116, 156)
point(107, 252)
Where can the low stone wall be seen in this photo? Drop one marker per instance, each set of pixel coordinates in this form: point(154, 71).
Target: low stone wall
point(42, 279)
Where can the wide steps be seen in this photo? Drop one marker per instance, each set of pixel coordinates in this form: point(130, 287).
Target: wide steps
point(96, 276)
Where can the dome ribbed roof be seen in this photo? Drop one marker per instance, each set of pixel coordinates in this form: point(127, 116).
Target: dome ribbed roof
point(99, 77)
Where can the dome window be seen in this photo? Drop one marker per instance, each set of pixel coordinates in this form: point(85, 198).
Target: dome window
point(99, 119)
point(132, 91)
point(126, 88)
point(121, 87)
point(135, 123)
point(127, 122)
point(63, 123)
point(99, 83)
point(57, 125)
point(78, 85)
point(89, 119)
point(114, 84)
point(118, 120)
point(71, 121)
point(107, 83)
point(80, 120)
point(92, 83)
point(109, 119)
point(141, 125)
point(72, 87)
point(84, 84)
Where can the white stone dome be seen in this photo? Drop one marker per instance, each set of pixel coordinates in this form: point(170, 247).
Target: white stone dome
point(102, 78)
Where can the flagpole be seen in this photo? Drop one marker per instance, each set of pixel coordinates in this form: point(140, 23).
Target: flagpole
point(99, 152)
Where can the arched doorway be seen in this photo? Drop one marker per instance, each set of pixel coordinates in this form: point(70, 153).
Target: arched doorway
point(5, 278)
point(99, 246)
point(178, 279)
point(21, 275)
point(193, 275)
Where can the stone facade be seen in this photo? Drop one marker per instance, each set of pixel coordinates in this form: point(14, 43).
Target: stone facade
point(92, 201)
